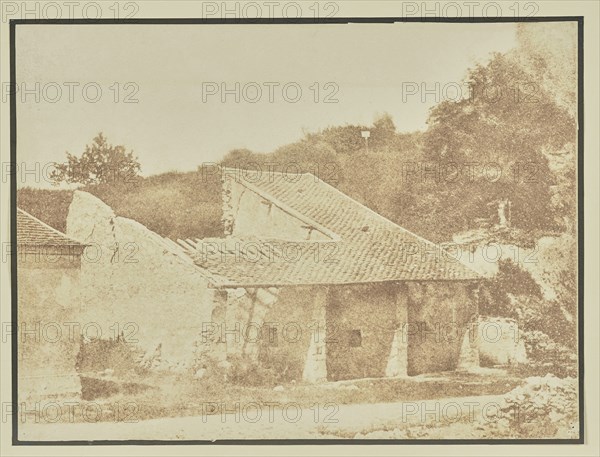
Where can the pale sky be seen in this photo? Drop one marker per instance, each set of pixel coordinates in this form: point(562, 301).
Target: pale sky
point(173, 128)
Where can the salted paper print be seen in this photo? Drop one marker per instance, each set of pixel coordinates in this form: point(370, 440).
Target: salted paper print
point(314, 231)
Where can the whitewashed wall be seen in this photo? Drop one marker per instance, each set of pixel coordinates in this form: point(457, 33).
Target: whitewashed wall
point(135, 282)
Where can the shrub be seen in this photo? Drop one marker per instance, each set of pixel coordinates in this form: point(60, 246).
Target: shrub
point(546, 354)
point(113, 355)
point(542, 407)
point(250, 373)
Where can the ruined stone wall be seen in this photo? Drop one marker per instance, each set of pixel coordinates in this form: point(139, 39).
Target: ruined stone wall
point(138, 285)
point(48, 304)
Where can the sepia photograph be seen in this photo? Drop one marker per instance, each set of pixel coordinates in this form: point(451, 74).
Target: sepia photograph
point(296, 231)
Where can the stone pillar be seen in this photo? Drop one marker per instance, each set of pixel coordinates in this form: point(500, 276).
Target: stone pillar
point(261, 302)
point(315, 367)
point(398, 359)
point(210, 344)
point(468, 358)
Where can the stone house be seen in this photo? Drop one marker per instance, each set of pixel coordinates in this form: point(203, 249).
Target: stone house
point(306, 281)
point(48, 265)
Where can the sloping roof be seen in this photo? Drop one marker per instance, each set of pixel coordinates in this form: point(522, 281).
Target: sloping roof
point(366, 247)
point(33, 232)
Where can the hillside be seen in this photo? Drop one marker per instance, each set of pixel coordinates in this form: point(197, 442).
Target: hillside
point(174, 205)
point(183, 205)
point(483, 162)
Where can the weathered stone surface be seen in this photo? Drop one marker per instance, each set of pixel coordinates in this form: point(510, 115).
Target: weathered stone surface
point(500, 342)
point(48, 298)
point(138, 285)
point(468, 357)
point(361, 323)
point(398, 359)
point(315, 367)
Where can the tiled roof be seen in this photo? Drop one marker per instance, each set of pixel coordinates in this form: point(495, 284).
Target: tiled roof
point(33, 232)
point(367, 248)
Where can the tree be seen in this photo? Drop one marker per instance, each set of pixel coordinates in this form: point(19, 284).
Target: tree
point(383, 132)
point(507, 117)
point(345, 139)
point(100, 163)
point(239, 158)
point(511, 283)
point(507, 123)
point(550, 51)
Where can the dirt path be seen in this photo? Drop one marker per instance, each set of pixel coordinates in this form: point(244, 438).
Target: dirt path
point(275, 421)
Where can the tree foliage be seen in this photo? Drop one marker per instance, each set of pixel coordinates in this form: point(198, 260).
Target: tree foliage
point(100, 163)
point(507, 125)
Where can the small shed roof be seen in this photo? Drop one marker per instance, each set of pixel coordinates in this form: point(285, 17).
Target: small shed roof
point(33, 232)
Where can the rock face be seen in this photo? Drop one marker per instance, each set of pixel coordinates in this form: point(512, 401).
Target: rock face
point(500, 342)
point(138, 285)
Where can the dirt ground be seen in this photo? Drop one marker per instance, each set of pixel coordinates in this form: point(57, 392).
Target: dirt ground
point(281, 422)
point(447, 405)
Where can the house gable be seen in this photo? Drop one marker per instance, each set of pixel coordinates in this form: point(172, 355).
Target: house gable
point(307, 232)
point(250, 212)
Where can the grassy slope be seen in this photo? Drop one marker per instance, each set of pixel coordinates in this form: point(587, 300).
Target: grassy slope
point(175, 205)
